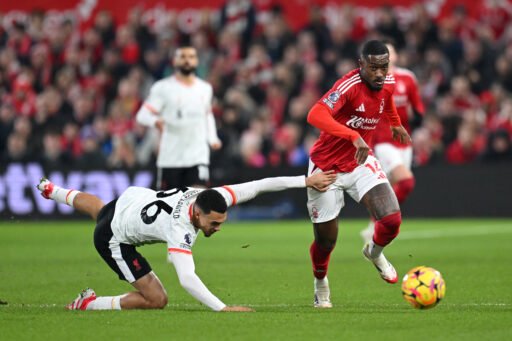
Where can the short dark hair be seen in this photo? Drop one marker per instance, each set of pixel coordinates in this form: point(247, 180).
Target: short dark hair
point(373, 47)
point(211, 200)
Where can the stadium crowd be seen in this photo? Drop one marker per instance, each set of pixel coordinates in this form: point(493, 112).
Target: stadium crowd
point(69, 95)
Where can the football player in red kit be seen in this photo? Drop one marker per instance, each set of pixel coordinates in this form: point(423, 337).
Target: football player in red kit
point(347, 116)
point(396, 158)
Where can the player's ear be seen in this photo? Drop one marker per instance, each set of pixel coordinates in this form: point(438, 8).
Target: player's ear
point(361, 63)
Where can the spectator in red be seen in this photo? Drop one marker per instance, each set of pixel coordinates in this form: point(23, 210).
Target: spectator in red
point(23, 97)
point(19, 41)
point(127, 44)
point(465, 148)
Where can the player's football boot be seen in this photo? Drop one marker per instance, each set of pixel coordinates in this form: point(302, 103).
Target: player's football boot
point(367, 233)
point(386, 270)
point(46, 187)
point(322, 293)
point(83, 300)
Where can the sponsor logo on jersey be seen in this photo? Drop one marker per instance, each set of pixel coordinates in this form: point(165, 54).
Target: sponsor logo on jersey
point(361, 108)
point(362, 122)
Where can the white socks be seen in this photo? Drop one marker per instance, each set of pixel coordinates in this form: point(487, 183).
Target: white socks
point(105, 303)
point(375, 250)
point(63, 195)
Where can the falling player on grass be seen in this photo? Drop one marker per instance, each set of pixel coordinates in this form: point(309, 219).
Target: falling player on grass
point(142, 216)
point(347, 116)
point(395, 157)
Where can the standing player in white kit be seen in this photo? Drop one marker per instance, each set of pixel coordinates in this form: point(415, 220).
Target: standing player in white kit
point(180, 107)
point(143, 216)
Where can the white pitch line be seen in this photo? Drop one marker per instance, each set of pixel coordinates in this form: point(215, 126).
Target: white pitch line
point(456, 232)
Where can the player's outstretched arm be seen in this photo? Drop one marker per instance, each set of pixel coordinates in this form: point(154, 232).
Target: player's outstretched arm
point(185, 268)
point(246, 191)
point(321, 180)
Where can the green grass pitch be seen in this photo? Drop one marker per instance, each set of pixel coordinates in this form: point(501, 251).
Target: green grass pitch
point(265, 265)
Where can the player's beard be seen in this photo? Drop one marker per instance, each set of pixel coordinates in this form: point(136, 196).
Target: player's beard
point(186, 70)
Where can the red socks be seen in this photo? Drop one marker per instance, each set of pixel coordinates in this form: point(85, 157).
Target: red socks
point(403, 188)
point(320, 258)
point(387, 228)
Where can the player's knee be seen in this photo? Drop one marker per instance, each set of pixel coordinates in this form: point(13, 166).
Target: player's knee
point(391, 221)
point(326, 244)
point(387, 228)
point(159, 301)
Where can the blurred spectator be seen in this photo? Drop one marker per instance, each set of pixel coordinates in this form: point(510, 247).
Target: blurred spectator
point(104, 24)
point(123, 154)
point(466, 147)
point(239, 17)
point(91, 157)
point(7, 116)
point(53, 156)
point(16, 149)
point(499, 147)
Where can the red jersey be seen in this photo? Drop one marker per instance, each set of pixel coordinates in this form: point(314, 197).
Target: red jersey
point(354, 105)
point(406, 95)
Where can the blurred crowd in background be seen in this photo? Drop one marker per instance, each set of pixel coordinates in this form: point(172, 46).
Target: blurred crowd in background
point(68, 97)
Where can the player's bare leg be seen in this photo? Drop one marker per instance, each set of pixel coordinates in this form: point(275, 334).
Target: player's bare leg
point(83, 202)
point(150, 294)
point(326, 234)
point(382, 204)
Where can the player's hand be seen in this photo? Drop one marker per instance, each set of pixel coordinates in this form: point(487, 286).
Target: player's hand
point(216, 145)
point(236, 308)
point(159, 125)
point(400, 134)
point(321, 180)
point(362, 150)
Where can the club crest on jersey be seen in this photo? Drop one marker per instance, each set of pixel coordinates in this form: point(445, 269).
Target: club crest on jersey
point(188, 239)
point(362, 122)
point(381, 107)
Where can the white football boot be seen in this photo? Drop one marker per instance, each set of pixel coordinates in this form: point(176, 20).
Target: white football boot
point(322, 293)
point(83, 300)
point(46, 187)
point(386, 270)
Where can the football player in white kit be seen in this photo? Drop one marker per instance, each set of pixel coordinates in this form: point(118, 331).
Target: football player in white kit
point(180, 107)
point(143, 216)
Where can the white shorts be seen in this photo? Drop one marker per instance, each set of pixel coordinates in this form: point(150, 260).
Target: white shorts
point(325, 206)
point(391, 156)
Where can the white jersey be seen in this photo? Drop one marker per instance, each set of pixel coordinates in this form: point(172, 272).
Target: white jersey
point(143, 216)
point(189, 125)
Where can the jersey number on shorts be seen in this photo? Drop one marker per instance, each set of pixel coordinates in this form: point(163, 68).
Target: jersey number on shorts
point(376, 170)
point(160, 204)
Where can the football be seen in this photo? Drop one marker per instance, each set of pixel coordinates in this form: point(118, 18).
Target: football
point(423, 287)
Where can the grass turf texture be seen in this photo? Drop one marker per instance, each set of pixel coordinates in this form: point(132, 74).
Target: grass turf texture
point(264, 265)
